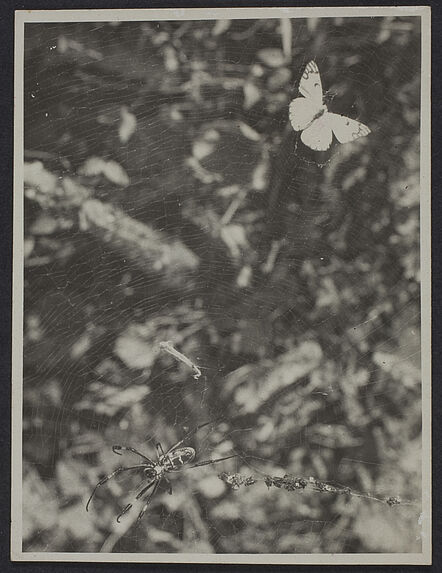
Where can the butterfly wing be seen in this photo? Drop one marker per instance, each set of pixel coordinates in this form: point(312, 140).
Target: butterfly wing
point(318, 136)
point(310, 85)
point(302, 112)
point(346, 129)
point(318, 133)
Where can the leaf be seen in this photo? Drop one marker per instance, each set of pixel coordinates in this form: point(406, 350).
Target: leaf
point(261, 174)
point(244, 277)
point(128, 124)
point(92, 167)
point(252, 94)
point(72, 521)
point(234, 236)
point(286, 37)
point(403, 371)
point(383, 531)
point(253, 385)
point(116, 174)
point(44, 225)
point(211, 486)
point(36, 175)
point(110, 169)
point(105, 399)
point(248, 132)
point(312, 24)
point(204, 147)
point(279, 79)
point(220, 147)
point(220, 27)
point(39, 504)
point(272, 57)
point(332, 436)
point(226, 510)
point(69, 480)
point(29, 245)
point(171, 62)
point(134, 350)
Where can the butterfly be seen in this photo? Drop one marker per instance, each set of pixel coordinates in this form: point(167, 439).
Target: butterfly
point(310, 115)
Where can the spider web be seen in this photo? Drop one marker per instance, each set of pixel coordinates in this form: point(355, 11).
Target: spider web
point(167, 199)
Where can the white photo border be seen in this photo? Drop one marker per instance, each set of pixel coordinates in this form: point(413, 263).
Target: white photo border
point(23, 17)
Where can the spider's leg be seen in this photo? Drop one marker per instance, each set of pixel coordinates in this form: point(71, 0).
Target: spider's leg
point(125, 510)
point(143, 510)
point(129, 505)
point(107, 478)
point(168, 484)
point(190, 434)
point(148, 486)
point(207, 462)
point(160, 451)
point(118, 449)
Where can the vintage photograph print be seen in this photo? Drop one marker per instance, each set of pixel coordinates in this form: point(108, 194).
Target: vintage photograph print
point(221, 347)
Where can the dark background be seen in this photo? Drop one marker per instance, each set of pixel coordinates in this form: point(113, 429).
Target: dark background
point(364, 117)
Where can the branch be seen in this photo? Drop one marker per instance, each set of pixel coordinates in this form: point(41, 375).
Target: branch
point(145, 247)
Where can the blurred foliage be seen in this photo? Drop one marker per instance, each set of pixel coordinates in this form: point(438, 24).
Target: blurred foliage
point(165, 200)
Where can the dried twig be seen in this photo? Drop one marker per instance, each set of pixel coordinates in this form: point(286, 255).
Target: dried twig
point(292, 483)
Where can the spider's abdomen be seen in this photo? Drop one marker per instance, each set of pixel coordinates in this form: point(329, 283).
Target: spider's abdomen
point(150, 473)
point(178, 458)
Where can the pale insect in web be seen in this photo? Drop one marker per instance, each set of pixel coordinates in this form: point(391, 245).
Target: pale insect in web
point(168, 347)
point(310, 116)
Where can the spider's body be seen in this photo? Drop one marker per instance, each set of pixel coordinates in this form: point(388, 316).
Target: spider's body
point(155, 471)
point(176, 459)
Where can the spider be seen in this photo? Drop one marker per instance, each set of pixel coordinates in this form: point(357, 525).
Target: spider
point(155, 471)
